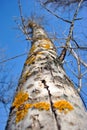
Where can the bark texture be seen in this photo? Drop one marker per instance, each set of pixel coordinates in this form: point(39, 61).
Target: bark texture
point(45, 98)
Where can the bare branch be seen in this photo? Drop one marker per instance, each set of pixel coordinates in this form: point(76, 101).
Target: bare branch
point(57, 16)
point(76, 57)
point(63, 53)
point(79, 75)
point(73, 21)
point(23, 26)
point(12, 58)
point(84, 73)
point(73, 72)
point(62, 3)
point(21, 16)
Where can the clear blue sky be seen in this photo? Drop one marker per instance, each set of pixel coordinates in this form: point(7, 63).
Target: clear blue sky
point(8, 34)
point(13, 41)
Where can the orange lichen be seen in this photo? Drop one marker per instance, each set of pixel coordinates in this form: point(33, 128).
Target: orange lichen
point(42, 106)
point(23, 109)
point(45, 45)
point(27, 106)
point(63, 106)
point(21, 113)
point(22, 106)
point(39, 53)
point(20, 98)
point(32, 48)
point(27, 74)
point(30, 60)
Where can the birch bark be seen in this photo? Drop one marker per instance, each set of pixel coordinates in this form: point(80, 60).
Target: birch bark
point(45, 98)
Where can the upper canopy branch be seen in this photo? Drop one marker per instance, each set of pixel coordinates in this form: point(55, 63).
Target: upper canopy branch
point(69, 38)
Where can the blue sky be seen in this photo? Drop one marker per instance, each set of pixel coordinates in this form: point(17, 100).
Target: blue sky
point(14, 43)
point(8, 35)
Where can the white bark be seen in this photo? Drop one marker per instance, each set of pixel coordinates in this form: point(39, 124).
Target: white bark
point(46, 98)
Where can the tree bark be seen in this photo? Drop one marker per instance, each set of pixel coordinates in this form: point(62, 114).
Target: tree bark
point(45, 98)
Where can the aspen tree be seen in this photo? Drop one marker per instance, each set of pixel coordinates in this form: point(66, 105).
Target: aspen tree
point(46, 98)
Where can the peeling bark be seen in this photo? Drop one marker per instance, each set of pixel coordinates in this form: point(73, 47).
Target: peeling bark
point(46, 98)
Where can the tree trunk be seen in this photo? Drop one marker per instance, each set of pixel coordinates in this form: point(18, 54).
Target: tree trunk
point(45, 98)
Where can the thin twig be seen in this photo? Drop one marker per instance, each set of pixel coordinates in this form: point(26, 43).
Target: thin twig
point(71, 70)
point(57, 16)
point(76, 57)
point(84, 73)
point(79, 75)
point(63, 53)
point(23, 27)
point(12, 58)
point(72, 24)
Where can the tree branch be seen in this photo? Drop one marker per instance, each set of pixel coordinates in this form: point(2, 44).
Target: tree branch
point(57, 16)
point(12, 58)
point(63, 53)
point(23, 26)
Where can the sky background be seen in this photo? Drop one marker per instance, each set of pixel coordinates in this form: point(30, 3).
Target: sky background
point(13, 43)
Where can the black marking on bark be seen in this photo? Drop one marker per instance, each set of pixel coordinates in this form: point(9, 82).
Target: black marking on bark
point(59, 79)
point(36, 79)
point(31, 85)
point(35, 120)
point(50, 68)
point(29, 127)
point(12, 113)
point(11, 109)
point(36, 91)
point(51, 104)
